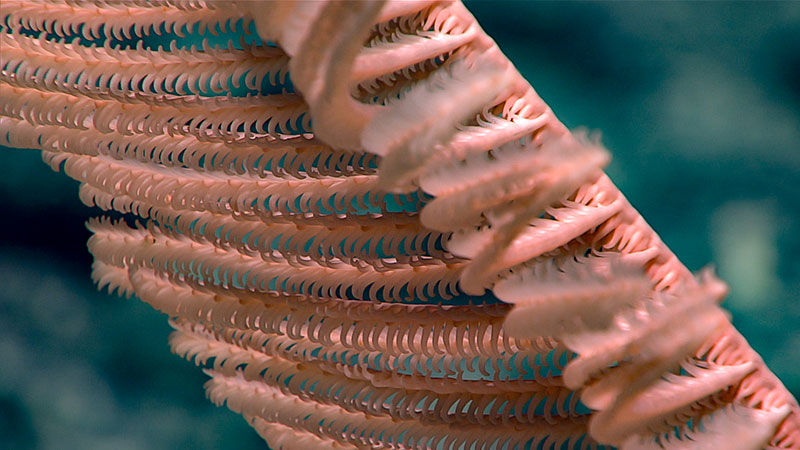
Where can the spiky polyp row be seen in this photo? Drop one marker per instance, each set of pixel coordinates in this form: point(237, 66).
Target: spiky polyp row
point(334, 291)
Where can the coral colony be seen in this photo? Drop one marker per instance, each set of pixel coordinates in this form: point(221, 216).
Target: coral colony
point(369, 231)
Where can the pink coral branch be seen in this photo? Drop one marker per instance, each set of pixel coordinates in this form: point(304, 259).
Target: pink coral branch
point(322, 280)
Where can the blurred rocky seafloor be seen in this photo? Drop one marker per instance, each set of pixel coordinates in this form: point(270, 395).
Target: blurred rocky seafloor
point(698, 102)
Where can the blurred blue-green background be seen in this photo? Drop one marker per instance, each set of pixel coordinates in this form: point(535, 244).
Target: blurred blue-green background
point(698, 102)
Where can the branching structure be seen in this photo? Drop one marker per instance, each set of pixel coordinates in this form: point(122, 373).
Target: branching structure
point(439, 265)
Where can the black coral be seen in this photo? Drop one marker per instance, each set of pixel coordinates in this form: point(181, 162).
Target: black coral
point(323, 280)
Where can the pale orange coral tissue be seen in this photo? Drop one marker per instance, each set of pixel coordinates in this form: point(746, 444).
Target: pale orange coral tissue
point(441, 264)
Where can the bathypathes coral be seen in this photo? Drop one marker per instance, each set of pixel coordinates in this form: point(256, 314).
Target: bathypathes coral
point(441, 264)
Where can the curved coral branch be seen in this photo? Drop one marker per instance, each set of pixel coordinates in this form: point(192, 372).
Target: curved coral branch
point(440, 264)
point(516, 202)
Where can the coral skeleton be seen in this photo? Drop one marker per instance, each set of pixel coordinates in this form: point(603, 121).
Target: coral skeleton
point(369, 230)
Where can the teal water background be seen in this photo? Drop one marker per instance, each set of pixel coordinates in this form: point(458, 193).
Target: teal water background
point(698, 102)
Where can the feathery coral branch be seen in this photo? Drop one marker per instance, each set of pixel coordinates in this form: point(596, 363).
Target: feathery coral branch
point(441, 264)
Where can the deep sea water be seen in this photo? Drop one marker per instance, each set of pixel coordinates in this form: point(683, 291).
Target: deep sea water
point(698, 102)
